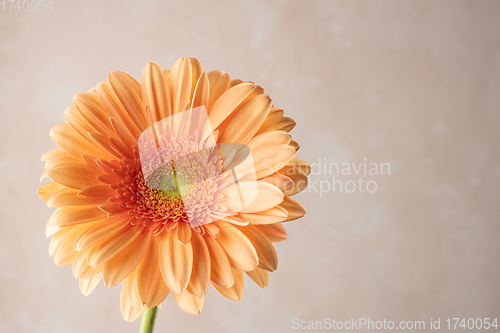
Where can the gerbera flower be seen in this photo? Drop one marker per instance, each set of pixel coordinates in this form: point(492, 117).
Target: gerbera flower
point(171, 184)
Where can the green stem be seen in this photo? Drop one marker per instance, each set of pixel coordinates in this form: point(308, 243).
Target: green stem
point(148, 320)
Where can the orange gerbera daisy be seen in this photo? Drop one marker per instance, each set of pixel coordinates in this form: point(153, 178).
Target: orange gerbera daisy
point(170, 184)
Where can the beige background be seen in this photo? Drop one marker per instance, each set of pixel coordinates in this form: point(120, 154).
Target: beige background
point(412, 83)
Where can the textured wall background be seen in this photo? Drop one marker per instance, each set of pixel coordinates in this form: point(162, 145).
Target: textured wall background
point(412, 83)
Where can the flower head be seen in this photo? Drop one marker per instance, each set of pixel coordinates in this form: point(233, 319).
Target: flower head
point(171, 184)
